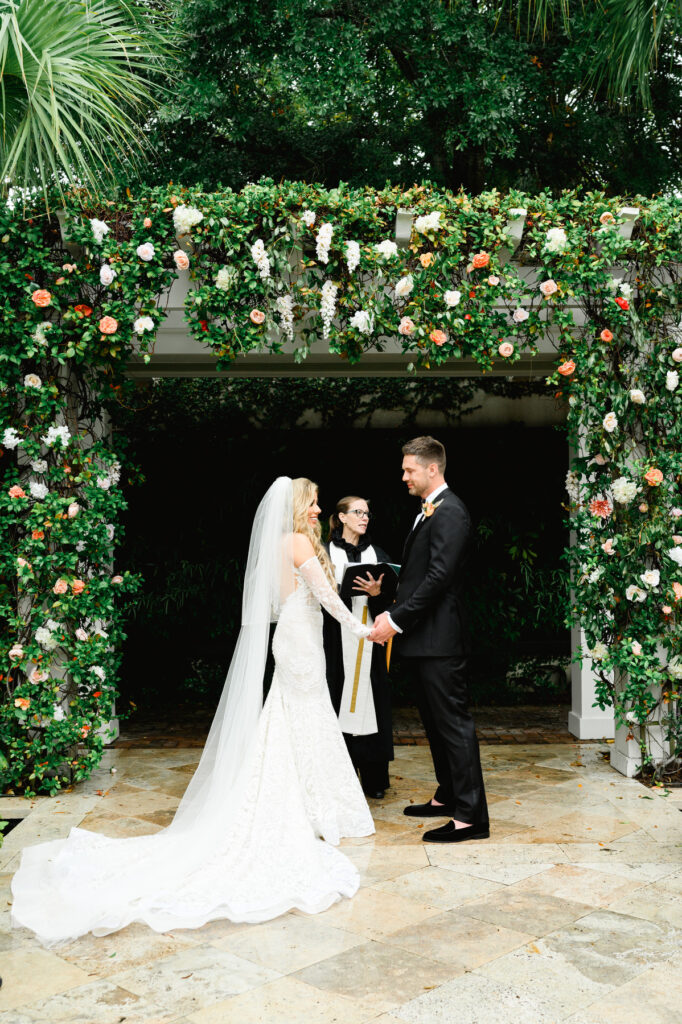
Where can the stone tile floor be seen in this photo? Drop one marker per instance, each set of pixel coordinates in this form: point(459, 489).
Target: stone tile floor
point(571, 912)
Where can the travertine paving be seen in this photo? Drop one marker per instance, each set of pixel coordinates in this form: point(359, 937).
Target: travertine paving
point(571, 912)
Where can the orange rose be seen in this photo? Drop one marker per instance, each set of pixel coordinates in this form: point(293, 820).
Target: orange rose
point(83, 310)
point(108, 325)
point(147, 222)
point(567, 368)
point(22, 702)
point(257, 316)
point(438, 337)
point(654, 477)
point(41, 297)
point(481, 259)
point(77, 587)
point(426, 259)
point(606, 335)
point(16, 491)
point(37, 535)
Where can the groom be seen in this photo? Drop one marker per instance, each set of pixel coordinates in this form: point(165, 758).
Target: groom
point(427, 616)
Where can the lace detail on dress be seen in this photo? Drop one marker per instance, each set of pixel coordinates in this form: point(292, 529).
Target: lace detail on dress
point(316, 580)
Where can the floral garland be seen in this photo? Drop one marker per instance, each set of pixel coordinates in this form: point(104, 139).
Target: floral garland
point(288, 264)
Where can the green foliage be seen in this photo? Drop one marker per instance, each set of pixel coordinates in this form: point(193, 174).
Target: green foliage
point(412, 90)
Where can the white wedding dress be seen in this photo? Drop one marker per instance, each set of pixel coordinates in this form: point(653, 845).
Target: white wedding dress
point(245, 847)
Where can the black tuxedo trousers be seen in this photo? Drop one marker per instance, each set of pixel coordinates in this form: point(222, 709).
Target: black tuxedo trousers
point(433, 646)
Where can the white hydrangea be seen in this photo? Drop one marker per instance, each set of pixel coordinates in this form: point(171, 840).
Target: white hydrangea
point(452, 298)
point(99, 672)
point(650, 578)
point(625, 290)
point(556, 240)
point(308, 218)
point(323, 242)
point(99, 229)
point(32, 380)
point(427, 222)
point(106, 274)
point(362, 321)
point(38, 491)
point(142, 324)
point(39, 333)
point(39, 466)
point(676, 555)
point(114, 472)
point(54, 434)
point(610, 422)
point(225, 278)
point(404, 287)
point(11, 439)
point(675, 668)
point(327, 306)
point(634, 593)
point(573, 485)
point(352, 255)
point(637, 396)
point(672, 379)
point(260, 258)
point(58, 713)
point(387, 248)
point(623, 490)
point(45, 638)
point(285, 308)
point(184, 219)
point(599, 651)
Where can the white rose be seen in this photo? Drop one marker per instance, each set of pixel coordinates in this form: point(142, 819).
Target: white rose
point(452, 298)
point(16, 652)
point(145, 251)
point(38, 490)
point(225, 278)
point(519, 315)
point(362, 321)
point(308, 218)
point(677, 355)
point(427, 222)
point(185, 217)
point(623, 490)
point(676, 555)
point(386, 248)
point(99, 229)
point(11, 439)
point(599, 651)
point(99, 672)
point(106, 274)
point(556, 240)
point(32, 380)
point(675, 668)
point(39, 466)
point(73, 510)
point(631, 717)
point(636, 647)
point(142, 324)
point(625, 290)
point(650, 578)
point(610, 422)
point(634, 593)
point(58, 713)
point(672, 379)
point(81, 634)
point(404, 286)
point(637, 396)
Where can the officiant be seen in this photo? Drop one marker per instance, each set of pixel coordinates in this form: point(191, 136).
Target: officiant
point(356, 671)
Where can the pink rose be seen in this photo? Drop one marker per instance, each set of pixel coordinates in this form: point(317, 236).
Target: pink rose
point(677, 355)
point(493, 280)
point(438, 337)
point(506, 349)
point(181, 259)
point(643, 507)
point(60, 587)
point(666, 609)
point(37, 676)
point(41, 297)
point(77, 587)
point(73, 509)
point(406, 326)
point(519, 315)
point(108, 325)
point(636, 647)
point(147, 222)
point(81, 634)
point(549, 287)
point(607, 547)
point(117, 579)
point(16, 652)
point(677, 539)
point(257, 316)
point(16, 491)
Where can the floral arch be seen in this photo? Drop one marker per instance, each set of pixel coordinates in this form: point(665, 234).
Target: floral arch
point(430, 276)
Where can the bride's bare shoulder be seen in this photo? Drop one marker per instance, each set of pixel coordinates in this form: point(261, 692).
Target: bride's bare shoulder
point(302, 549)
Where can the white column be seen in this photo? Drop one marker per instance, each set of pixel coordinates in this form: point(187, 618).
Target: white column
point(585, 721)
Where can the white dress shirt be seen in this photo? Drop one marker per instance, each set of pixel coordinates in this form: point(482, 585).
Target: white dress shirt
point(420, 516)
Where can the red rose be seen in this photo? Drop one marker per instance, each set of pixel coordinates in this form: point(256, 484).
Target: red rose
point(623, 303)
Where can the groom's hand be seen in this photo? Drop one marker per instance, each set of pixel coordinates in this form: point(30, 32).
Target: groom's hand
point(382, 630)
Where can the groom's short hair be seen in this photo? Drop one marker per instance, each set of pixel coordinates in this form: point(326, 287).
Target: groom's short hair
point(426, 450)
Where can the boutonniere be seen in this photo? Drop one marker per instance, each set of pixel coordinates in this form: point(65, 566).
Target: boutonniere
point(428, 508)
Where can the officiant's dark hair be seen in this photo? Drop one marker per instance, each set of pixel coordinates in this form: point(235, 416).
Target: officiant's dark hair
point(426, 450)
point(343, 505)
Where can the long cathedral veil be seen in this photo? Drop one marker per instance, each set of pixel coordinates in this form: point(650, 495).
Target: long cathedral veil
point(89, 882)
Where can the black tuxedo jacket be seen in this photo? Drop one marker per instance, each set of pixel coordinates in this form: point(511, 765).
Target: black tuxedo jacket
point(427, 606)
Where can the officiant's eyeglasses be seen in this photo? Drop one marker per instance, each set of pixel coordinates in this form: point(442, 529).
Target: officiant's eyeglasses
point(360, 512)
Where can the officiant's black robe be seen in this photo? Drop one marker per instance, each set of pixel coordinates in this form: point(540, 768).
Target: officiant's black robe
point(370, 754)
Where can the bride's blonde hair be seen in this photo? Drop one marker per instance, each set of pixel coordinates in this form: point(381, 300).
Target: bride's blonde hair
point(304, 494)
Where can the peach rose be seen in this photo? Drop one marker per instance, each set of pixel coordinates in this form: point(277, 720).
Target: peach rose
point(481, 259)
point(506, 349)
point(83, 310)
point(60, 587)
point(16, 491)
point(147, 222)
point(257, 316)
point(643, 507)
point(108, 325)
point(37, 676)
point(606, 218)
point(549, 287)
point(181, 259)
point(16, 652)
point(41, 297)
point(666, 609)
point(493, 280)
point(677, 591)
point(38, 535)
point(654, 477)
point(677, 539)
point(406, 326)
point(426, 259)
point(567, 368)
point(117, 579)
point(606, 335)
point(438, 337)
point(77, 587)
point(22, 702)
point(607, 547)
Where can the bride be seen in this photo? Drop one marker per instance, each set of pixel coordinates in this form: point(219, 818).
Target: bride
point(255, 833)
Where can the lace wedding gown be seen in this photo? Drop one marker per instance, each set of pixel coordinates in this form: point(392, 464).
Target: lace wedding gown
point(271, 847)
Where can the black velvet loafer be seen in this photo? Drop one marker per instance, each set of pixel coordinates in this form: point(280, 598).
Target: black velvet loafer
point(428, 811)
point(449, 834)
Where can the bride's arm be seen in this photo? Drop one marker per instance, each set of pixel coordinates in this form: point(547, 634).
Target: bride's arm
point(315, 576)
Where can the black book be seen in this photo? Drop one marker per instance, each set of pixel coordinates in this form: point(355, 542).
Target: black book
point(389, 584)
